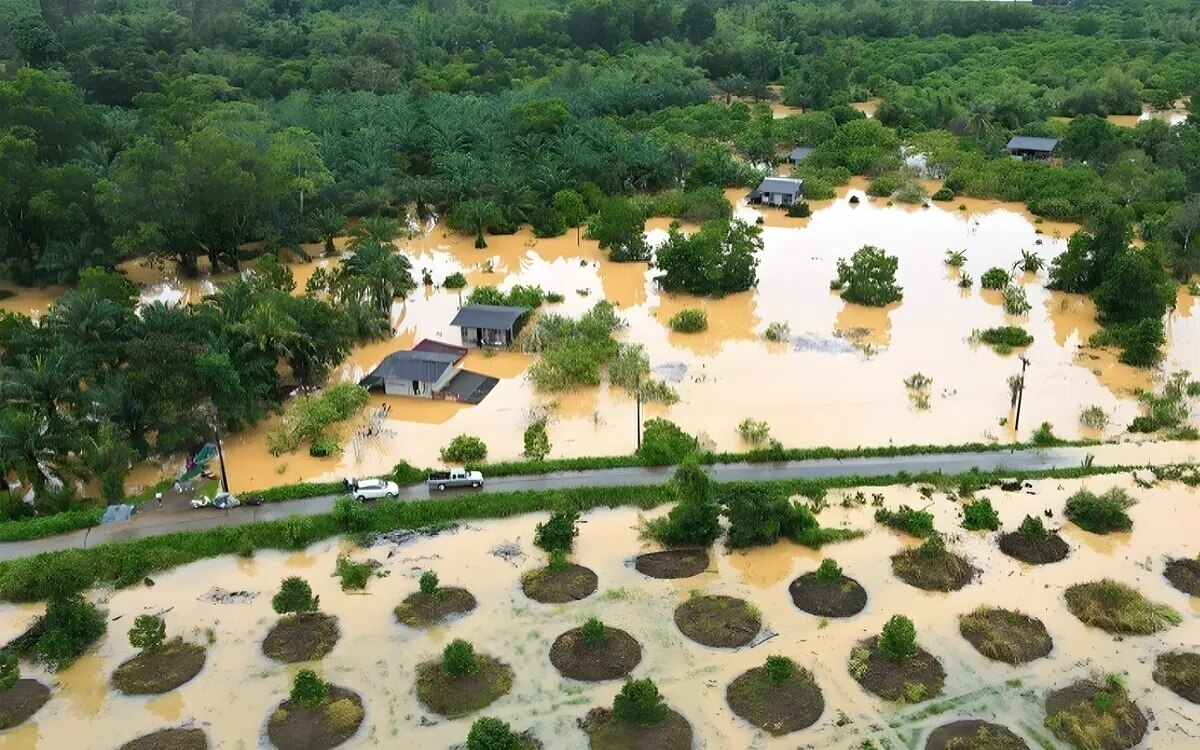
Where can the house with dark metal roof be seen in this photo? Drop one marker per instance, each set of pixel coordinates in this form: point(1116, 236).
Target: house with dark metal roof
point(489, 326)
point(778, 191)
point(413, 373)
point(1030, 147)
point(799, 154)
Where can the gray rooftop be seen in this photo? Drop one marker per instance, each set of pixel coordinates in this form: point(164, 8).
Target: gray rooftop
point(1030, 143)
point(799, 153)
point(488, 316)
point(790, 185)
point(427, 367)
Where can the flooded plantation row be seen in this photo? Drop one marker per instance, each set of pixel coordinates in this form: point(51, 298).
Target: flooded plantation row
point(377, 657)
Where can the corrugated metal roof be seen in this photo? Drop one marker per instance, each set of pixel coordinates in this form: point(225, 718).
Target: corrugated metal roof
point(790, 185)
point(1031, 143)
point(427, 367)
point(488, 316)
point(800, 153)
point(441, 347)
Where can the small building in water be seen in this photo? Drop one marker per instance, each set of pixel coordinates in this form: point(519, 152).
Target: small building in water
point(431, 369)
point(778, 191)
point(1031, 147)
point(799, 154)
point(489, 326)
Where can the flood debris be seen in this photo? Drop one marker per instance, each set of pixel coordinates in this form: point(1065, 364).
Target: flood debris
point(672, 372)
point(509, 552)
point(218, 595)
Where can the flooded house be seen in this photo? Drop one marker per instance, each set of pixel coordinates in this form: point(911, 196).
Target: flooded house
point(1028, 147)
point(489, 326)
point(431, 369)
point(778, 191)
point(798, 154)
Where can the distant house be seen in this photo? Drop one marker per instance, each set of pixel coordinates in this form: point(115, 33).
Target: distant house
point(489, 326)
point(1029, 147)
point(414, 373)
point(799, 154)
point(778, 191)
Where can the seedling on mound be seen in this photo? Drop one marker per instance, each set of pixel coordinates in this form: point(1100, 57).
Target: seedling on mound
point(778, 697)
point(308, 690)
point(560, 581)
point(458, 659)
point(1005, 635)
point(894, 667)
point(295, 595)
point(779, 668)
point(932, 566)
point(433, 603)
point(1032, 543)
point(829, 571)
point(980, 516)
point(161, 666)
point(1100, 514)
point(898, 640)
point(718, 621)
point(303, 633)
point(592, 632)
point(462, 681)
point(828, 592)
point(1117, 608)
point(1093, 714)
point(639, 702)
point(316, 715)
point(489, 733)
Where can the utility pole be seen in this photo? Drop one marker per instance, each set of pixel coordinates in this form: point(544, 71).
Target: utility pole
point(220, 453)
point(638, 395)
point(1020, 395)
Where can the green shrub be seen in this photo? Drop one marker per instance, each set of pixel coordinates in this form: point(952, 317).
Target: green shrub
point(663, 443)
point(868, 278)
point(557, 561)
point(799, 210)
point(1100, 514)
point(428, 583)
point(829, 571)
point(554, 298)
point(695, 519)
point(537, 441)
point(944, 194)
point(324, 447)
point(1044, 437)
point(994, 278)
point(458, 659)
point(455, 281)
point(1016, 302)
point(350, 514)
point(980, 516)
point(353, 575)
point(593, 632)
point(488, 733)
point(558, 533)
point(1093, 417)
point(1032, 528)
point(68, 628)
point(754, 431)
point(933, 547)
point(148, 632)
point(295, 595)
point(757, 515)
point(639, 702)
point(885, 184)
point(779, 668)
point(956, 258)
point(898, 640)
point(689, 320)
point(404, 474)
point(10, 670)
point(529, 297)
point(778, 331)
point(1010, 336)
point(906, 519)
point(464, 449)
point(308, 690)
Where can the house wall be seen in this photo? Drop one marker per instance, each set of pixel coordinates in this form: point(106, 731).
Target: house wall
point(471, 337)
point(404, 388)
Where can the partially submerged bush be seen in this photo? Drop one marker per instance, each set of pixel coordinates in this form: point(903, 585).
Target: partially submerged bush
point(778, 331)
point(10, 670)
point(489, 733)
point(458, 659)
point(1094, 418)
point(664, 444)
point(1016, 301)
point(955, 258)
point(558, 533)
point(1044, 436)
point(898, 639)
point(1009, 337)
point(868, 278)
point(1032, 528)
point(148, 632)
point(906, 519)
point(994, 278)
point(689, 320)
point(295, 595)
point(695, 519)
point(537, 440)
point(353, 575)
point(428, 583)
point(1100, 514)
point(754, 431)
point(761, 515)
point(68, 628)
point(980, 516)
point(943, 194)
point(829, 571)
point(464, 449)
point(639, 702)
point(455, 281)
point(308, 690)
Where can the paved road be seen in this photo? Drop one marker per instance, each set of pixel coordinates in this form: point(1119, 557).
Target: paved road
point(154, 523)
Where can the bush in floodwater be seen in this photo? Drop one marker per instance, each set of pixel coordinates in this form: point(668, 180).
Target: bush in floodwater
point(1100, 514)
point(965, 281)
point(956, 258)
point(689, 320)
point(933, 547)
point(558, 533)
point(663, 443)
point(906, 519)
point(980, 516)
point(1030, 262)
point(537, 441)
point(869, 278)
point(295, 595)
point(754, 431)
point(464, 449)
point(1094, 418)
point(779, 668)
point(69, 626)
point(1009, 336)
point(455, 281)
point(695, 519)
point(308, 690)
point(1032, 528)
point(1016, 302)
point(488, 733)
point(778, 331)
point(829, 571)
point(799, 210)
point(354, 576)
point(458, 659)
point(994, 278)
point(592, 632)
point(898, 640)
point(10, 670)
point(148, 632)
point(428, 583)
point(639, 702)
point(1044, 437)
point(943, 194)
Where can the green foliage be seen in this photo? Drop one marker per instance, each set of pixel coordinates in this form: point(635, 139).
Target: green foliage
point(1100, 514)
point(294, 595)
point(869, 278)
point(350, 514)
point(458, 659)
point(688, 320)
point(760, 515)
point(1016, 302)
point(1005, 336)
point(307, 418)
point(1032, 528)
point(528, 297)
point(779, 668)
point(719, 259)
point(695, 519)
point(558, 532)
point(308, 690)
point(944, 194)
point(537, 441)
point(428, 583)
point(829, 571)
point(778, 332)
point(994, 278)
point(754, 431)
point(799, 210)
point(593, 632)
point(455, 281)
point(489, 733)
point(576, 352)
point(979, 515)
point(1044, 437)
point(1093, 417)
point(700, 205)
point(956, 258)
point(353, 575)
point(10, 670)
point(639, 702)
point(464, 449)
point(933, 547)
point(915, 522)
point(898, 640)
point(67, 629)
point(619, 227)
point(148, 633)
point(664, 444)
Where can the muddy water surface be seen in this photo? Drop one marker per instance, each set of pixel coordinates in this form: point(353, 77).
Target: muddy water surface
point(239, 687)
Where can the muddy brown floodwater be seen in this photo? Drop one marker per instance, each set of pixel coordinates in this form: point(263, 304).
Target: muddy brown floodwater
point(377, 657)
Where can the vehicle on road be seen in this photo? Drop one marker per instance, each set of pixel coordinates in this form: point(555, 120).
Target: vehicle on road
point(440, 480)
point(222, 500)
point(371, 489)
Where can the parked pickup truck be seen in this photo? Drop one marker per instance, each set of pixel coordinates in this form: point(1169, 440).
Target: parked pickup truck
point(454, 478)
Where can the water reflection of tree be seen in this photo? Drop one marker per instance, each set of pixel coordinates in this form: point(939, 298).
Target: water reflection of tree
point(860, 324)
point(732, 318)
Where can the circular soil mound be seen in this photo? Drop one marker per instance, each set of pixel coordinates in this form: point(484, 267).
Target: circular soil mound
point(569, 584)
point(1184, 574)
point(917, 678)
point(1073, 716)
point(777, 707)
point(421, 610)
point(614, 657)
point(944, 572)
point(1119, 609)
point(674, 563)
point(606, 733)
point(720, 621)
point(21, 701)
point(1042, 550)
point(1179, 672)
point(454, 697)
point(1005, 635)
point(301, 637)
point(161, 670)
point(169, 739)
point(841, 598)
point(974, 735)
point(294, 727)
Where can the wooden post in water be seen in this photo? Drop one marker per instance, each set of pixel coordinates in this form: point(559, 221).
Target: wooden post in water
point(1020, 395)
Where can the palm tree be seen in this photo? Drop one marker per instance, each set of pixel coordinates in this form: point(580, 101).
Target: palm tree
point(376, 274)
point(327, 223)
point(30, 450)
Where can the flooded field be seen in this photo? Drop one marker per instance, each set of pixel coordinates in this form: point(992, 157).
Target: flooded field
point(377, 657)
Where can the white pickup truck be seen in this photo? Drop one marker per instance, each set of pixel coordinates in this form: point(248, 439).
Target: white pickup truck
point(440, 480)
